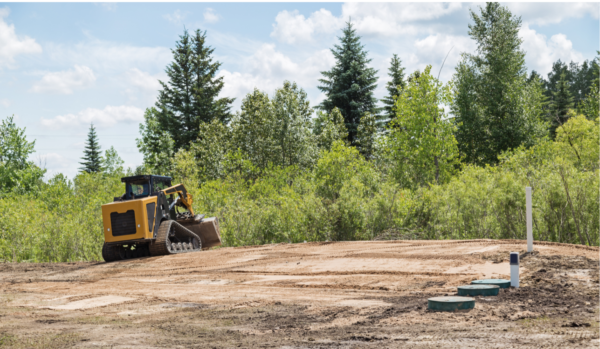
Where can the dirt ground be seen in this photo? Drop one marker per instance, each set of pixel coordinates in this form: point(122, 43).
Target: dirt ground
point(309, 295)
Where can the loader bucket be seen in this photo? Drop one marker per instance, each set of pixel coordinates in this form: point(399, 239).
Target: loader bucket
point(207, 230)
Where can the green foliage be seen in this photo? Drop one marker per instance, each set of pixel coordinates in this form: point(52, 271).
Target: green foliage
point(275, 132)
point(421, 146)
point(489, 202)
point(112, 162)
point(590, 107)
point(349, 85)
point(92, 155)
point(156, 145)
point(17, 173)
point(579, 77)
point(396, 73)
point(367, 135)
point(341, 199)
point(211, 149)
point(495, 108)
point(63, 223)
point(596, 70)
point(190, 97)
point(329, 128)
point(561, 102)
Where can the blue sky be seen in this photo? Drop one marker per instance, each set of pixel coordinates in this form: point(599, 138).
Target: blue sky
point(64, 65)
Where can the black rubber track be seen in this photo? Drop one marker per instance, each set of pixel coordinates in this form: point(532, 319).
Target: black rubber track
point(110, 253)
point(162, 244)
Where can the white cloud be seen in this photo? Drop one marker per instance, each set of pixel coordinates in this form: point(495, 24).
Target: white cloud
point(541, 53)
point(552, 13)
point(176, 17)
point(292, 27)
point(434, 48)
point(110, 57)
point(12, 45)
point(387, 19)
point(102, 118)
point(5, 102)
point(380, 20)
point(144, 80)
point(143, 86)
point(64, 82)
point(107, 5)
point(267, 68)
point(211, 16)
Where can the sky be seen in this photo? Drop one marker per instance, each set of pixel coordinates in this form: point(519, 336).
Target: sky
point(66, 65)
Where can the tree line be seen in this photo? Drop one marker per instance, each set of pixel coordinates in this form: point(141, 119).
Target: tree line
point(431, 160)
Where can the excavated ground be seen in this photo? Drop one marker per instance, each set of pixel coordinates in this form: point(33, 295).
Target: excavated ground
point(310, 295)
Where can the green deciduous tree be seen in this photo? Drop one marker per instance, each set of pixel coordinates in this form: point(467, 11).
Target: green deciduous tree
point(190, 97)
point(367, 135)
point(275, 132)
point(211, 149)
point(349, 85)
point(329, 128)
point(561, 102)
point(155, 144)
point(92, 155)
point(590, 106)
point(396, 73)
point(16, 171)
point(421, 145)
point(112, 163)
point(495, 108)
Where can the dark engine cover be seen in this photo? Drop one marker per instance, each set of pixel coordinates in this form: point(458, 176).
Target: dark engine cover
point(123, 223)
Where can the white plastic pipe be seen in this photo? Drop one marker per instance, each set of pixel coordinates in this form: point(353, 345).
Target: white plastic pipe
point(514, 269)
point(529, 219)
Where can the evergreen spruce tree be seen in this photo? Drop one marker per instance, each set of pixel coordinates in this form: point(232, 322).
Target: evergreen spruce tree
point(190, 96)
point(580, 78)
point(494, 105)
point(350, 83)
point(396, 72)
point(562, 101)
point(92, 158)
point(596, 70)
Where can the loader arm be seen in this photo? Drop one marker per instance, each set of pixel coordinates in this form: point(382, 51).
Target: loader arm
point(184, 197)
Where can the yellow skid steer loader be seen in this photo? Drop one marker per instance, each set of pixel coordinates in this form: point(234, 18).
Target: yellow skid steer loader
point(154, 218)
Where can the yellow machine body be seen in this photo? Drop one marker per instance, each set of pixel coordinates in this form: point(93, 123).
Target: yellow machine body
point(129, 220)
point(157, 220)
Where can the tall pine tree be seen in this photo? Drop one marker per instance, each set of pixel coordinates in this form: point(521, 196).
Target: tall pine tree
point(596, 70)
point(562, 101)
point(495, 107)
point(396, 72)
point(349, 85)
point(92, 155)
point(580, 78)
point(190, 96)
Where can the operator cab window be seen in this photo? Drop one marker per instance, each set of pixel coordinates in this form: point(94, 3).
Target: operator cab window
point(138, 188)
point(160, 185)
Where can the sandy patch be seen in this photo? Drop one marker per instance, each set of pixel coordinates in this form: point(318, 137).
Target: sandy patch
point(92, 303)
point(363, 303)
point(487, 270)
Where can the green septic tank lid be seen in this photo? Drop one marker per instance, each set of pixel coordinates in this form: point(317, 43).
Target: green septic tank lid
point(503, 283)
point(478, 290)
point(450, 303)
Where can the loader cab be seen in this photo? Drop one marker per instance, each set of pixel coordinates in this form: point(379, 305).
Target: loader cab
point(143, 186)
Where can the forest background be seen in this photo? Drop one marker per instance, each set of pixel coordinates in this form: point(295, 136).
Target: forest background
point(429, 161)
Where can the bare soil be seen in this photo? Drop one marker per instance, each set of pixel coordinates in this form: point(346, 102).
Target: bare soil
point(310, 295)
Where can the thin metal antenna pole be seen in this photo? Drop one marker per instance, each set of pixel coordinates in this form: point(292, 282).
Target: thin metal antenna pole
point(438, 77)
